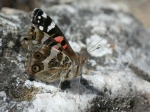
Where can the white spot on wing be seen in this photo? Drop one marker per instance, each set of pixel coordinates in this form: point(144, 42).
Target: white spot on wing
point(39, 17)
point(41, 28)
point(51, 26)
point(44, 15)
point(38, 21)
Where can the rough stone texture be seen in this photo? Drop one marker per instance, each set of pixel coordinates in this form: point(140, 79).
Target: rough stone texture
point(128, 104)
point(124, 73)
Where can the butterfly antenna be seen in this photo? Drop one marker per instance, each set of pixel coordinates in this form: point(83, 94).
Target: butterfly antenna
point(94, 45)
point(95, 48)
point(98, 43)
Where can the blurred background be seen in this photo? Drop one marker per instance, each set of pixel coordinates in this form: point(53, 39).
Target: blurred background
point(139, 8)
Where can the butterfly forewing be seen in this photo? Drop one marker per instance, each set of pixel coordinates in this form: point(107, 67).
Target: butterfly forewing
point(46, 24)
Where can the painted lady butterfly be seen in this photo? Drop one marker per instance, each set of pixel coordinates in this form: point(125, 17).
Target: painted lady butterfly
point(50, 57)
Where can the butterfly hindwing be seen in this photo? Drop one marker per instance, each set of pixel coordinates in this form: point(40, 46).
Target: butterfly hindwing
point(47, 60)
point(44, 55)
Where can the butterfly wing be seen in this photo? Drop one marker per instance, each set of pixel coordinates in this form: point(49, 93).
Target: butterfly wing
point(49, 57)
point(45, 57)
point(44, 23)
point(48, 62)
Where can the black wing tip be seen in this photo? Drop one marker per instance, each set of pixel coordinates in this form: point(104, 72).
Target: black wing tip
point(36, 12)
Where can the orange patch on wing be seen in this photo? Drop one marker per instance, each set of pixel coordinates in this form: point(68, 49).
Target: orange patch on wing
point(59, 39)
point(65, 46)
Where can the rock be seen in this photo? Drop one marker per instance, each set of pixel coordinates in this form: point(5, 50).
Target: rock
point(26, 5)
point(7, 10)
point(129, 104)
point(118, 75)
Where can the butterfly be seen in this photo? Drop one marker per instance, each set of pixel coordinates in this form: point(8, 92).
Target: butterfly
point(49, 54)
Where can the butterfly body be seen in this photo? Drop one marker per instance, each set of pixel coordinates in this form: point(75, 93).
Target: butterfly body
point(50, 57)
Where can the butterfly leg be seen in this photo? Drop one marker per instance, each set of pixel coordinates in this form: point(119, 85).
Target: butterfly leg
point(61, 80)
point(58, 88)
point(79, 86)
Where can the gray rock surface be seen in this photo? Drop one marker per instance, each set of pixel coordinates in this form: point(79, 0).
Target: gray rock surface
point(119, 77)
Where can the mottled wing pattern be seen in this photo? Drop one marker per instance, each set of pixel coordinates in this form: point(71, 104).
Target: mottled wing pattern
point(45, 57)
point(49, 57)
